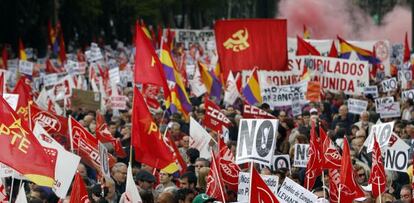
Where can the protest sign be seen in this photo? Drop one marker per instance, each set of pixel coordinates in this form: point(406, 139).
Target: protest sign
point(11, 99)
point(290, 191)
point(103, 155)
point(390, 110)
point(405, 75)
point(12, 64)
point(300, 158)
point(296, 106)
point(88, 100)
point(372, 90)
point(118, 102)
point(26, 67)
point(382, 132)
point(396, 156)
point(114, 76)
point(357, 106)
point(188, 37)
point(408, 94)
point(50, 79)
point(271, 181)
point(256, 141)
point(281, 162)
point(283, 95)
point(382, 100)
point(94, 54)
point(389, 85)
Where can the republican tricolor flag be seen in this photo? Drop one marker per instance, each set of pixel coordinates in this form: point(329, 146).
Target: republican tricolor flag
point(251, 90)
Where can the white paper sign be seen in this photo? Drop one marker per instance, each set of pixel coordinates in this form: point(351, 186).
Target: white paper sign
point(301, 158)
point(290, 192)
point(372, 90)
point(390, 110)
point(408, 94)
point(256, 141)
point(271, 181)
point(283, 95)
point(382, 100)
point(50, 79)
point(296, 106)
point(382, 132)
point(26, 67)
point(357, 106)
point(103, 155)
point(396, 156)
point(281, 162)
point(118, 102)
point(11, 99)
point(114, 75)
point(389, 85)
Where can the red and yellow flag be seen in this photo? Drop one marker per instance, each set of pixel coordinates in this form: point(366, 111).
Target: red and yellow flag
point(20, 150)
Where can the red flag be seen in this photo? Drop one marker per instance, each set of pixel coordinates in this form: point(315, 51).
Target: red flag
point(145, 131)
point(50, 68)
point(25, 96)
point(150, 93)
point(177, 155)
point(333, 52)
point(334, 182)
point(215, 186)
point(62, 49)
point(51, 122)
point(20, 149)
point(314, 166)
point(87, 145)
point(259, 191)
point(406, 49)
point(250, 111)
point(79, 194)
point(349, 189)
point(148, 68)
point(244, 44)
point(377, 177)
point(103, 135)
point(330, 157)
point(228, 169)
point(305, 48)
point(214, 118)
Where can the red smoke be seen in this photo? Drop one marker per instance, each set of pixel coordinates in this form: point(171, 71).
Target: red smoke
point(327, 18)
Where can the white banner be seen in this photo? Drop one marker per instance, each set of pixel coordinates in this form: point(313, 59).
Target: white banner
point(26, 67)
point(357, 106)
point(256, 141)
point(390, 110)
point(382, 132)
point(290, 192)
point(372, 90)
point(301, 158)
point(271, 181)
point(389, 85)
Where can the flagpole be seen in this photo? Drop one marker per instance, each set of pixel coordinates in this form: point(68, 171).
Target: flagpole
point(250, 184)
point(70, 134)
point(339, 195)
point(379, 191)
point(30, 116)
point(307, 183)
point(323, 184)
point(11, 188)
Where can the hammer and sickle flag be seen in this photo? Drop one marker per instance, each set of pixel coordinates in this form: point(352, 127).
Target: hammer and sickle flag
point(244, 44)
point(150, 147)
point(20, 150)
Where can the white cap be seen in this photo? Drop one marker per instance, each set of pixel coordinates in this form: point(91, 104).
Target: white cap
point(313, 110)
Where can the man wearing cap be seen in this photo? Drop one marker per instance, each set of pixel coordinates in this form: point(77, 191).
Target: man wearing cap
point(166, 181)
point(203, 198)
point(145, 180)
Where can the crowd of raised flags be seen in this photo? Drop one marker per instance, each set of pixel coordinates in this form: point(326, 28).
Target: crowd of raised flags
point(66, 111)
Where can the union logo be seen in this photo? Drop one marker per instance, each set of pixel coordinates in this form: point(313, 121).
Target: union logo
point(238, 41)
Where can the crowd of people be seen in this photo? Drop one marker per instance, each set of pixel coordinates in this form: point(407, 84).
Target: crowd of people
point(156, 185)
